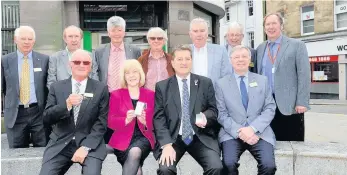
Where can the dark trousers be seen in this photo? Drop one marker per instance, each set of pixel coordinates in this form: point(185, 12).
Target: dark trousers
point(61, 163)
point(27, 128)
point(206, 157)
point(263, 152)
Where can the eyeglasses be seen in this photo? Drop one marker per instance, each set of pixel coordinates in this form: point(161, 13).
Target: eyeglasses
point(235, 35)
point(158, 38)
point(86, 63)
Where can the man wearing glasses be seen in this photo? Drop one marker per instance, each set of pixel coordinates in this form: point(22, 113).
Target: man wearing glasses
point(234, 38)
point(77, 110)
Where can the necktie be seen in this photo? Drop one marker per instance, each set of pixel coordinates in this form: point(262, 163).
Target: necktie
point(244, 94)
point(187, 130)
point(24, 93)
point(76, 109)
point(114, 71)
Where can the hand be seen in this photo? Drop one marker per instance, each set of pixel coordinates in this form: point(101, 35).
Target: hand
point(300, 109)
point(79, 155)
point(130, 116)
point(168, 155)
point(142, 117)
point(201, 123)
point(74, 99)
point(245, 133)
point(253, 140)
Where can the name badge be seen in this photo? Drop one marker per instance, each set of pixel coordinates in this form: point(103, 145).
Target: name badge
point(37, 69)
point(253, 84)
point(140, 106)
point(273, 70)
point(90, 95)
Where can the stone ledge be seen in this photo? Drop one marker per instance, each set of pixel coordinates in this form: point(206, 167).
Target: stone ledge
point(291, 158)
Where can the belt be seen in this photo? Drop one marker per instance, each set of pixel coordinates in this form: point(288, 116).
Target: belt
point(28, 106)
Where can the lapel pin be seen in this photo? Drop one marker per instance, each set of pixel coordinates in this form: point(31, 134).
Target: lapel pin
point(196, 82)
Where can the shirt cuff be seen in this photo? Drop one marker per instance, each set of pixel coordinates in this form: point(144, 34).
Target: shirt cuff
point(165, 145)
point(255, 130)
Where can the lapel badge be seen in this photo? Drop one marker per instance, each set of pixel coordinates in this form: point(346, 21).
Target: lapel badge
point(196, 82)
point(251, 64)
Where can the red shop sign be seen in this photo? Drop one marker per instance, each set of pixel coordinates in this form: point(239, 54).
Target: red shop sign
point(332, 58)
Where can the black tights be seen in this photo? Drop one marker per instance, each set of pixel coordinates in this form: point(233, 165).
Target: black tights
point(132, 164)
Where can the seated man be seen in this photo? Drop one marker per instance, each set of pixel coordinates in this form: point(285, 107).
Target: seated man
point(246, 108)
point(77, 110)
point(185, 118)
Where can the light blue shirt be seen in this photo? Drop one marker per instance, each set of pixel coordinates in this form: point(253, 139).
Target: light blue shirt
point(238, 80)
point(267, 64)
point(20, 57)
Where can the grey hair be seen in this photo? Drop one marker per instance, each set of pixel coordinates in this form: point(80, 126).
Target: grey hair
point(278, 15)
point(235, 25)
point(73, 26)
point(81, 51)
point(157, 30)
point(240, 47)
point(198, 20)
point(182, 47)
point(115, 21)
point(20, 28)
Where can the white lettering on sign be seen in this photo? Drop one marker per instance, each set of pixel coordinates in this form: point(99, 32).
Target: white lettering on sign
point(324, 58)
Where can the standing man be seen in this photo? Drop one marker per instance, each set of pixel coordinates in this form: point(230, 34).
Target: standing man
point(234, 37)
point(77, 110)
point(209, 60)
point(23, 82)
point(59, 68)
point(246, 108)
point(284, 61)
point(185, 118)
point(109, 58)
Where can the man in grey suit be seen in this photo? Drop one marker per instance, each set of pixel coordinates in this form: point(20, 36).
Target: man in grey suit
point(109, 58)
point(23, 83)
point(59, 68)
point(246, 108)
point(285, 62)
point(234, 37)
point(209, 60)
point(77, 110)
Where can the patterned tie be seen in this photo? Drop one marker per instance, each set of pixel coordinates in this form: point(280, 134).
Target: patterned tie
point(244, 93)
point(76, 109)
point(187, 130)
point(114, 71)
point(24, 93)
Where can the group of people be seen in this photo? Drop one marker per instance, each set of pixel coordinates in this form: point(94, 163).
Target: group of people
point(205, 99)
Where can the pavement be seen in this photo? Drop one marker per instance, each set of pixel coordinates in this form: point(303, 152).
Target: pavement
point(327, 102)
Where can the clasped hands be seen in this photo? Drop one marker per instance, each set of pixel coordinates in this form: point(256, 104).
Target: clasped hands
point(131, 116)
point(247, 135)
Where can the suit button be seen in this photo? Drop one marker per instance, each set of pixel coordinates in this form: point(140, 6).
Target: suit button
point(65, 143)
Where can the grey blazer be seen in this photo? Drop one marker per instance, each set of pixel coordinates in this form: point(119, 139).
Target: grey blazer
point(10, 84)
point(59, 68)
point(102, 54)
point(292, 75)
point(233, 116)
point(218, 62)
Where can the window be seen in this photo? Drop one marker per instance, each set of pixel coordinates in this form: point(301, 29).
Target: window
point(307, 20)
point(250, 7)
point(227, 14)
point(340, 14)
point(251, 39)
point(325, 68)
point(10, 21)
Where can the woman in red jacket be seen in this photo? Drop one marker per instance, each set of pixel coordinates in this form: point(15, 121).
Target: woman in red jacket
point(133, 138)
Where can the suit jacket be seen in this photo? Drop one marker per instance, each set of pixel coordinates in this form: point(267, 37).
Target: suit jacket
point(59, 68)
point(218, 61)
point(253, 65)
point(292, 75)
point(144, 62)
point(168, 112)
point(120, 104)
point(233, 116)
point(91, 123)
point(10, 84)
point(101, 56)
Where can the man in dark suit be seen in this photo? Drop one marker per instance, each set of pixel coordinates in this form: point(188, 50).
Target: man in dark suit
point(77, 110)
point(23, 82)
point(234, 37)
point(185, 118)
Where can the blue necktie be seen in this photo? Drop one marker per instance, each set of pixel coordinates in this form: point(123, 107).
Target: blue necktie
point(187, 130)
point(244, 93)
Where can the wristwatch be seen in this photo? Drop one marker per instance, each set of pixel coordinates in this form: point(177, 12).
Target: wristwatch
point(86, 148)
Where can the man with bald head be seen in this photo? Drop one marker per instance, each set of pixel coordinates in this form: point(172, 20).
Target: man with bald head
point(77, 110)
point(23, 84)
point(60, 60)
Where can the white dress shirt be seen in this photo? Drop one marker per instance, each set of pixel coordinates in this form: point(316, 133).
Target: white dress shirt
point(200, 61)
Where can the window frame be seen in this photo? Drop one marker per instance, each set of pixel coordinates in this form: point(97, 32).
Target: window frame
point(302, 21)
point(335, 18)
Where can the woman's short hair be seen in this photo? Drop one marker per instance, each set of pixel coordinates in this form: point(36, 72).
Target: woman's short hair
point(128, 65)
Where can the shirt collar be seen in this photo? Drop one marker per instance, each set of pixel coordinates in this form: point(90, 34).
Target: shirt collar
point(121, 47)
point(83, 82)
point(278, 40)
point(238, 76)
point(151, 56)
point(180, 79)
point(68, 52)
point(202, 48)
point(21, 55)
